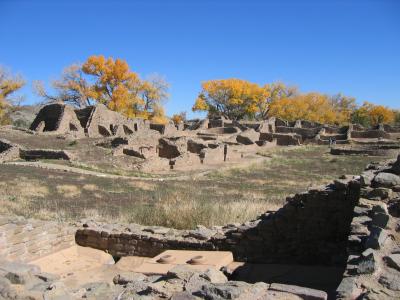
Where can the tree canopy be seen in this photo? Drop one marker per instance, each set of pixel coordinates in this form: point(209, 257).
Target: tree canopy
point(111, 82)
point(240, 99)
point(9, 84)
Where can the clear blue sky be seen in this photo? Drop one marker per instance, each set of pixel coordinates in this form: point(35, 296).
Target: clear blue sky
point(334, 46)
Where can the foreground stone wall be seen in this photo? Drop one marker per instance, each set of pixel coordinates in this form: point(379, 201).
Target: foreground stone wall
point(312, 228)
point(27, 239)
point(373, 265)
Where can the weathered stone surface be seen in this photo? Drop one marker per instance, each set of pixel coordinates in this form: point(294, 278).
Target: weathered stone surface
point(202, 233)
point(127, 277)
point(366, 177)
point(377, 238)
point(391, 280)
point(348, 289)
point(386, 180)
point(394, 207)
point(380, 219)
point(57, 291)
point(393, 261)
point(396, 166)
point(181, 272)
point(304, 293)
point(183, 296)
point(367, 262)
point(380, 192)
point(18, 273)
point(233, 290)
point(214, 276)
point(248, 137)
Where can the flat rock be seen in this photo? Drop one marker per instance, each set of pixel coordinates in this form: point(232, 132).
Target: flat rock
point(181, 272)
point(367, 177)
point(348, 289)
point(202, 233)
point(127, 277)
point(394, 207)
point(233, 290)
point(214, 276)
point(367, 262)
point(377, 238)
point(303, 292)
point(386, 180)
point(380, 192)
point(393, 261)
point(380, 219)
point(396, 166)
point(390, 280)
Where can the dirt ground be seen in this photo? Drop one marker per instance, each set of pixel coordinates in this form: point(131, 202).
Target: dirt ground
point(218, 197)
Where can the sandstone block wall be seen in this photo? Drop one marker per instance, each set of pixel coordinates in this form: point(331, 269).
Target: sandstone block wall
point(312, 228)
point(8, 150)
point(25, 239)
point(369, 134)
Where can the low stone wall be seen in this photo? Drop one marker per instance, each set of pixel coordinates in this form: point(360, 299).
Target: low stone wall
point(312, 228)
point(371, 150)
point(8, 150)
point(27, 239)
point(282, 139)
point(44, 154)
point(369, 134)
point(305, 133)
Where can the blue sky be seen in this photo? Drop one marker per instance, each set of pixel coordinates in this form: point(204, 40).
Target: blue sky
point(334, 46)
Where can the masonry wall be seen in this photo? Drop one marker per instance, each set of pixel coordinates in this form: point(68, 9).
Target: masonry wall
point(369, 134)
point(312, 228)
point(27, 239)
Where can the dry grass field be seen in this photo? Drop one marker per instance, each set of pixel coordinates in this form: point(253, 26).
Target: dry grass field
point(217, 198)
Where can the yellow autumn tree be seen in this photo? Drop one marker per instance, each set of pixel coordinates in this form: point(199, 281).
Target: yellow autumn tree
point(158, 115)
point(313, 107)
point(381, 114)
point(115, 85)
point(111, 82)
point(237, 99)
point(9, 84)
point(370, 114)
point(179, 118)
point(271, 93)
point(344, 107)
point(232, 98)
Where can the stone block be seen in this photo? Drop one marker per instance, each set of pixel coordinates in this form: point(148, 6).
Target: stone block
point(393, 261)
point(377, 238)
point(304, 293)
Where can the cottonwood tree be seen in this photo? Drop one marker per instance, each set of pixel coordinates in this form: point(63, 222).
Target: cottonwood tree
point(71, 88)
point(370, 114)
point(313, 107)
point(273, 92)
point(237, 99)
point(179, 118)
point(9, 84)
point(231, 98)
point(111, 82)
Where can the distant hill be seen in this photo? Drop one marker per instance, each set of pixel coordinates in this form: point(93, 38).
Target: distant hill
point(22, 116)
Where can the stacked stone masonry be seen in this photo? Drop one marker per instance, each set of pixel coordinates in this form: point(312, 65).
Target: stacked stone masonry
point(28, 239)
point(312, 228)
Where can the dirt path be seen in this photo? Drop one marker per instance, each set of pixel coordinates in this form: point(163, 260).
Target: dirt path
point(77, 170)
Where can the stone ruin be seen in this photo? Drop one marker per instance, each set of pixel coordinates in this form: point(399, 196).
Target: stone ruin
point(348, 230)
point(92, 121)
point(195, 144)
